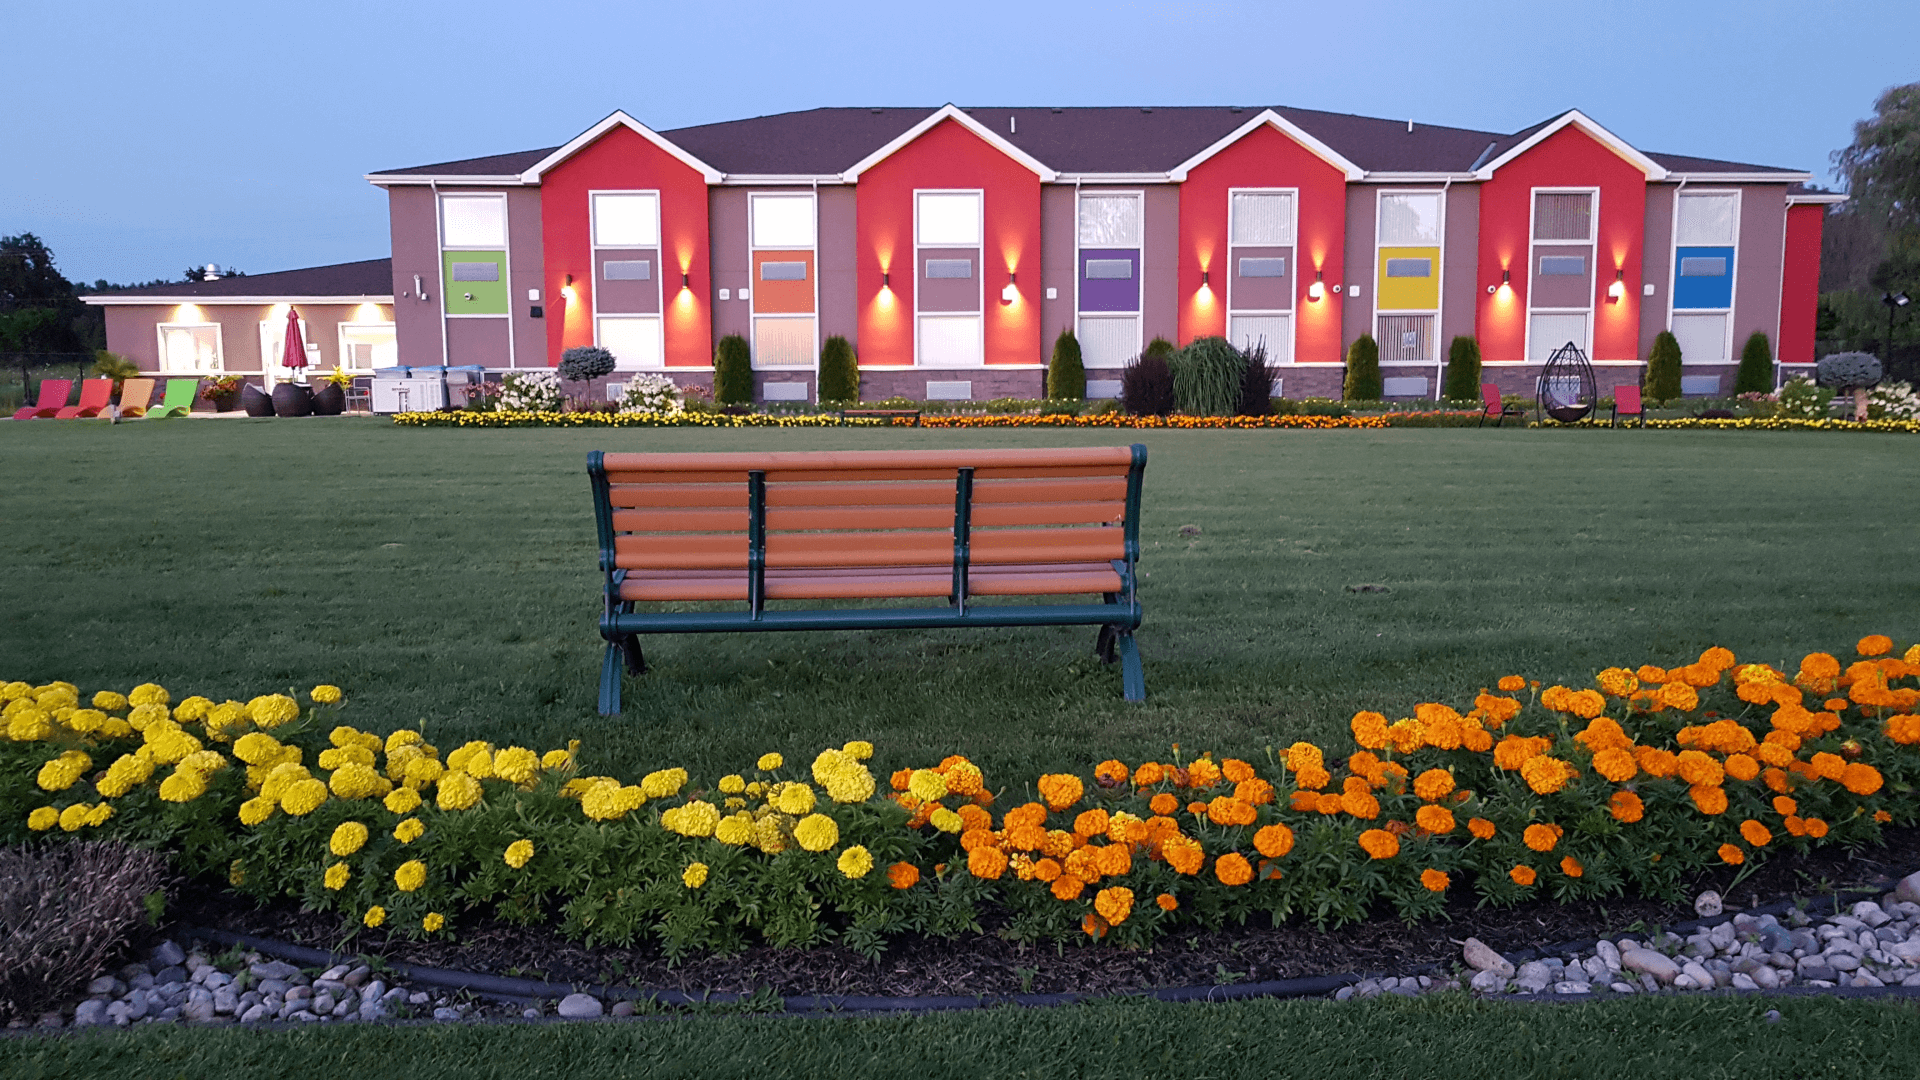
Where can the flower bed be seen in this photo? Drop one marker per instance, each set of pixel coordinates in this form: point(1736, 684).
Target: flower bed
point(1639, 781)
point(1760, 423)
point(465, 419)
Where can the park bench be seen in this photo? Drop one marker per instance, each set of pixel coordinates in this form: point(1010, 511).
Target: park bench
point(810, 526)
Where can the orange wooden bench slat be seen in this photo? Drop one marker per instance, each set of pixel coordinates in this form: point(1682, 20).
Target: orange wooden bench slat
point(1112, 457)
point(985, 492)
point(707, 519)
point(869, 474)
point(870, 583)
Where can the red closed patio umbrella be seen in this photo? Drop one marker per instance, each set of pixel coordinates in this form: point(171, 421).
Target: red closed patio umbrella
point(295, 354)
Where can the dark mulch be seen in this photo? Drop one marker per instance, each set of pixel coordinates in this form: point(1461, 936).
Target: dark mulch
point(987, 964)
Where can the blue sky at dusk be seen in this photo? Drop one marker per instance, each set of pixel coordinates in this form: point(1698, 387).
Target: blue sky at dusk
point(141, 138)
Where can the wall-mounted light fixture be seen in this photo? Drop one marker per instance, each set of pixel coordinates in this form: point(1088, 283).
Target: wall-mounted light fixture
point(1619, 287)
point(1011, 293)
point(686, 280)
point(886, 280)
point(1506, 283)
point(1204, 279)
point(566, 290)
point(1318, 289)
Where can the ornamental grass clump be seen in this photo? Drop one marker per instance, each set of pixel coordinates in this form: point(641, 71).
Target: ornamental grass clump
point(1208, 377)
point(1641, 781)
point(65, 911)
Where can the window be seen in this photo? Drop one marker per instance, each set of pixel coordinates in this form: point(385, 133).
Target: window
point(1261, 218)
point(782, 342)
point(476, 271)
point(627, 269)
point(1707, 219)
point(1110, 269)
point(1272, 332)
point(949, 219)
point(273, 348)
point(190, 347)
point(626, 219)
point(1406, 339)
point(950, 268)
point(1563, 215)
point(1548, 332)
point(1563, 265)
point(950, 340)
point(634, 341)
point(1703, 266)
point(1263, 267)
point(1109, 221)
point(783, 271)
point(365, 346)
point(473, 221)
point(1409, 220)
point(783, 221)
point(1414, 268)
point(1109, 341)
point(1702, 338)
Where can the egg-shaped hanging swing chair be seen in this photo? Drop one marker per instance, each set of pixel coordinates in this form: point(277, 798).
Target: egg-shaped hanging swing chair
point(1567, 392)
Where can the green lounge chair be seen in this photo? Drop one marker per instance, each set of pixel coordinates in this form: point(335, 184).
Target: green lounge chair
point(179, 399)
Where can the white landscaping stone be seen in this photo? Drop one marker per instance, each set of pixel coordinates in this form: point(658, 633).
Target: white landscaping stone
point(1654, 965)
point(1744, 982)
point(1766, 977)
point(1607, 953)
point(1488, 982)
point(1623, 988)
point(1707, 904)
point(1482, 957)
point(1871, 913)
point(579, 1007)
point(255, 1014)
point(1684, 981)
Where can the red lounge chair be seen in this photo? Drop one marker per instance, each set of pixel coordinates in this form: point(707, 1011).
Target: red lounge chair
point(95, 394)
point(1496, 410)
point(1626, 402)
point(53, 398)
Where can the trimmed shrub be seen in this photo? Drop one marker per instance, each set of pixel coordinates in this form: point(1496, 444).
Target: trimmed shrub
point(1848, 370)
point(1756, 366)
point(1207, 377)
point(1363, 370)
point(530, 391)
point(65, 912)
point(650, 392)
point(1066, 374)
point(839, 371)
point(733, 371)
point(1146, 384)
point(1256, 383)
point(1803, 399)
point(1463, 370)
point(1161, 348)
point(584, 363)
point(1663, 368)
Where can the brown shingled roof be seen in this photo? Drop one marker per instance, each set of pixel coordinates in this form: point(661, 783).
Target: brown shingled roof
point(371, 277)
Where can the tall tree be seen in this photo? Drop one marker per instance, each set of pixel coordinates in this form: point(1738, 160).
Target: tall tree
point(1882, 166)
point(27, 272)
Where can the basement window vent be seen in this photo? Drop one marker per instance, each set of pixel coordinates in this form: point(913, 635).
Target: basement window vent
point(1263, 268)
point(628, 270)
point(949, 268)
point(1109, 269)
point(476, 271)
point(783, 271)
point(1563, 265)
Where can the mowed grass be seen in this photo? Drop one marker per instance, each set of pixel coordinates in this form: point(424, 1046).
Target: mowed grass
point(447, 578)
point(1689, 1038)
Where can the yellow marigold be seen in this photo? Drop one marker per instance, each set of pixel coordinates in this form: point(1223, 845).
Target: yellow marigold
point(348, 837)
point(171, 747)
point(100, 814)
point(256, 810)
point(183, 785)
point(516, 765)
point(86, 720)
point(735, 830)
point(816, 832)
point(409, 830)
point(602, 802)
point(769, 762)
point(60, 773)
point(1114, 905)
point(433, 922)
point(1709, 798)
point(1481, 828)
point(475, 759)
point(43, 818)
point(324, 694)
point(1435, 819)
point(1273, 841)
point(927, 785)
point(1060, 790)
point(1433, 785)
point(732, 784)
point(1434, 880)
point(336, 876)
point(424, 772)
point(858, 749)
point(796, 799)
point(696, 819)
point(375, 916)
point(257, 748)
point(110, 700)
point(357, 781)
point(663, 782)
point(272, 710)
point(402, 800)
point(227, 714)
point(946, 820)
point(1542, 837)
point(149, 694)
point(29, 725)
point(410, 876)
point(855, 862)
point(519, 853)
point(74, 817)
point(457, 791)
point(1546, 775)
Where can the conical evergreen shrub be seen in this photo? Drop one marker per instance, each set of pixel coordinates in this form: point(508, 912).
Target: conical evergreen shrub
point(1663, 368)
point(839, 371)
point(1066, 374)
point(733, 371)
point(1363, 370)
point(1463, 370)
point(1756, 366)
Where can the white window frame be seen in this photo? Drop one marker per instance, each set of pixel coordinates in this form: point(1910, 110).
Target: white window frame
point(753, 317)
point(506, 263)
point(1439, 273)
point(1733, 271)
point(980, 282)
point(345, 352)
point(1592, 250)
point(1139, 196)
point(1293, 256)
point(219, 347)
point(474, 196)
point(659, 315)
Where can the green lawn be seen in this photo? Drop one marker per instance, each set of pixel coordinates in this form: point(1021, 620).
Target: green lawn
point(1645, 1038)
point(447, 577)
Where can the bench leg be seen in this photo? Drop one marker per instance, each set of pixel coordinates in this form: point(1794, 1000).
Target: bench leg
point(636, 660)
point(1133, 681)
point(610, 681)
point(1103, 645)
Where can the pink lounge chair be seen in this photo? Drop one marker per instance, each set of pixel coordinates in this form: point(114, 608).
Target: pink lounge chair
point(53, 398)
point(95, 395)
point(1496, 410)
point(1626, 402)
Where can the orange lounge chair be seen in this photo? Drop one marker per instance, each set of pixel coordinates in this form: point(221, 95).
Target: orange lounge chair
point(135, 394)
point(95, 394)
point(53, 398)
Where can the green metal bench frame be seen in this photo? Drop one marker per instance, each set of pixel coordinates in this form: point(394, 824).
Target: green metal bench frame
point(1118, 615)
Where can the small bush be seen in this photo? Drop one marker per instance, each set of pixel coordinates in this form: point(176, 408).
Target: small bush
point(1161, 348)
point(115, 367)
point(1663, 368)
point(1363, 370)
point(733, 371)
point(1207, 377)
point(1146, 385)
point(1256, 383)
point(1756, 366)
point(530, 391)
point(1463, 370)
point(839, 371)
point(64, 912)
point(1066, 374)
point(649, 392)
point(1848, 370)
point(1802, 398)
point(584, 363)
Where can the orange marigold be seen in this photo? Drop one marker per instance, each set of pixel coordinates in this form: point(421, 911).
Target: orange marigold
point(1164, 804)
point(1626, 806)
point(1184, 854)
point(1196, 807)
point(1820, 666)
point(1717, 658)
point(1755, 833)
point(1167, 901)
point(1647, 673)
point(1434, 880)
point(1114, 905)
point(1874, 645)
point(1678, 695)
point(1061, 790)
point(1369, 729)
point(1095, 926)
point(1019, 838)
point(1111, 773)
point(1654, 761)
point(1236, 771)
point(1514, 750)
point(1778, 780)
point(1328, 804)
point(1697, 768)
point(986, 862)
point(1481, 828)
point(1546, 775)
point(1710, 798)
point(1828, 766)
point(1615, 764)
point(1604, 733)
point(1067, 887)
point(1742, 767)
point(1433, 785)
point(1227, 810)
point(1273, 841)
point(1091, 823)
point(1586, 704)
point(1149, 774)
point(1903, 729)
point(973, 817)
point(1861, 778)
point(1510, 683)
point(1796, 825)
point(1617, 681)
point(1816, 827)
point(1882, 816)
point(1407, 735)
point(1025, 814)
point(1233, 869)
point(1731, 855)
point(1060, 843)
point(903, 875)
point(1571, 867)
point(1434, 819)
point(1304, 755)
point(964, 778)
point(1522, 875)
point(1784, 806)
point(1313, 778)
point(1360, 805)
point(1113, 860)
point(1497, 710)
point(1542, 837)
point(1253, 791)
point(1046, 869)
point(1379, 844)
point(1203, 773)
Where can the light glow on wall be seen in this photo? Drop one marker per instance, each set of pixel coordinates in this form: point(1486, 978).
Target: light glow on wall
point(191, 313)
point(369, 313)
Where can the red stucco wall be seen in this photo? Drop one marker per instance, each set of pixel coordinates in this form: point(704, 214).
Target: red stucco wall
point(1265, 158)
point(1800, 284)
point(1567, 158)
point(623, 160)
point(949, 156)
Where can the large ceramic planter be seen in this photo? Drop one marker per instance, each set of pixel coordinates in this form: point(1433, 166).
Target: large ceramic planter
point(255, 401)
point(225, 403)
point(329, 400)
point(292, 399)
